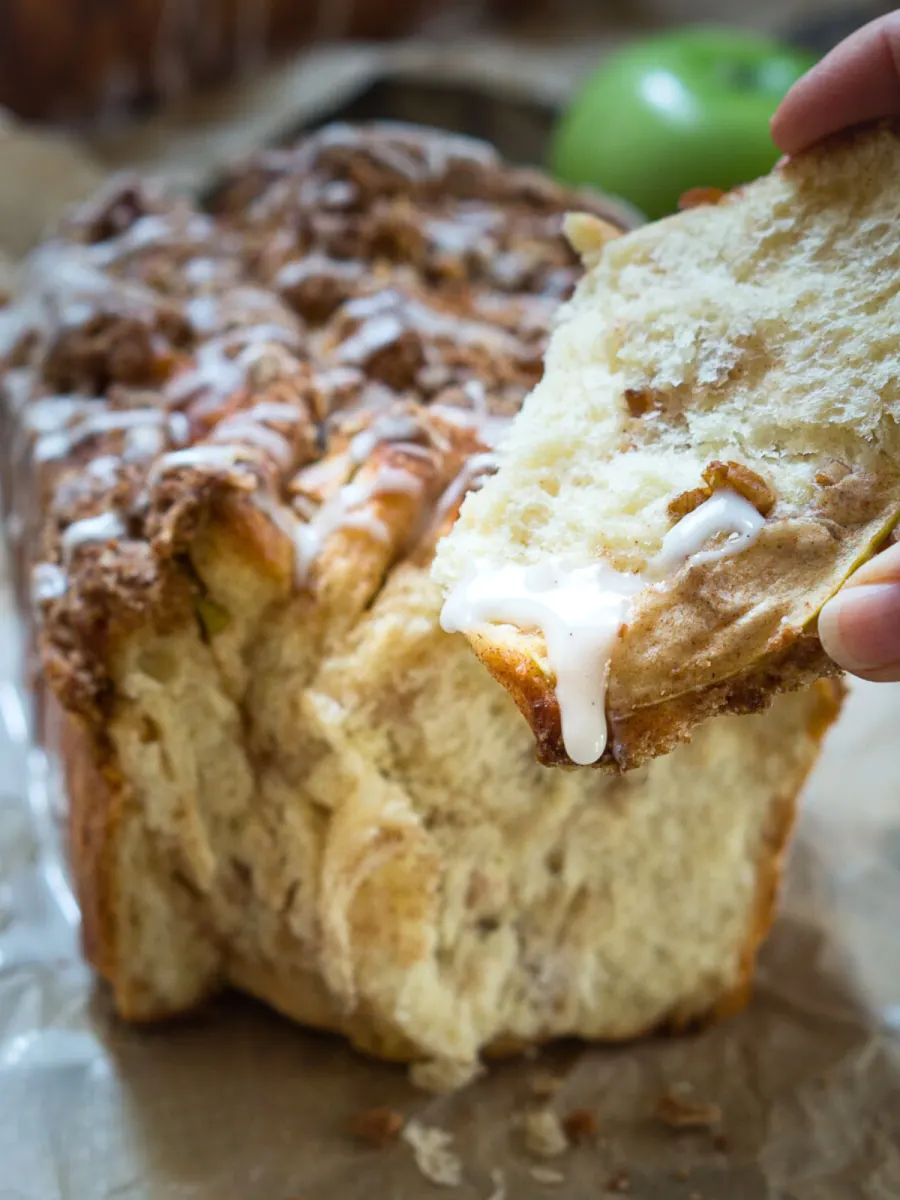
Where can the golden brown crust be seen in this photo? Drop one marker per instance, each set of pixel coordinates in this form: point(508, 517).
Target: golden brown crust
point(641, 735)
point(94, 806)
point(830, 694)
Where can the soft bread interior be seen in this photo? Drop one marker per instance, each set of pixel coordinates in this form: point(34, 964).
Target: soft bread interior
point(389, 871)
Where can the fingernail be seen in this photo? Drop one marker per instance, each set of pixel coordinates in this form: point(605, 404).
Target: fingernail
point(860, 627)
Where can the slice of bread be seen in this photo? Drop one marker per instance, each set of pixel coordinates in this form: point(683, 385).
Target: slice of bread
point(745, 350)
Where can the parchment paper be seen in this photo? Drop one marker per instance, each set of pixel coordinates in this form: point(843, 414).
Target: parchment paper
point(241, 1105)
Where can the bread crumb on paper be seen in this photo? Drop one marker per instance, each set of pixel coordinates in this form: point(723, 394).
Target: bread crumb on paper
point(441, 1076)
point(546, 1175)
point(680, 1110)
point(498, 1183)
point(545, 1085)
point(619, 1182)
point(579, 1125)
point(587, 234)
point(434, 1154)
point(544, 1134)
point(377, 1126)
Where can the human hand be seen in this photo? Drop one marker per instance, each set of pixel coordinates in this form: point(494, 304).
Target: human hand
point(858, 81)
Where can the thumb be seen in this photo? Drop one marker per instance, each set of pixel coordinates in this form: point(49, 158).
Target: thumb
point(860, 628)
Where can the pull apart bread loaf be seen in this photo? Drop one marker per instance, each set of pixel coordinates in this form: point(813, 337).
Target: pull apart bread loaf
point(713, 449)
point(234, 436)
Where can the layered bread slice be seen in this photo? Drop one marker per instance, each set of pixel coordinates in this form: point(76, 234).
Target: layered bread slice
point(712, 450)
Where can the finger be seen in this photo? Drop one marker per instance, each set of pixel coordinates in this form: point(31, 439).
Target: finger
point(860, 628)
point(858, 81)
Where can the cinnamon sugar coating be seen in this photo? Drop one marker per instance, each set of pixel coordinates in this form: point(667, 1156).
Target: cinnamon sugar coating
point(165, 356)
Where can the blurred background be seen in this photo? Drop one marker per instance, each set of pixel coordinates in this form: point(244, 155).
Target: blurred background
point(641, 99)
point(101, 62)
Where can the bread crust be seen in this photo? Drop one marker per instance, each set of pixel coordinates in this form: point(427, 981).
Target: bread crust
point(830, 694)
point(637, 737)
point(94, 804)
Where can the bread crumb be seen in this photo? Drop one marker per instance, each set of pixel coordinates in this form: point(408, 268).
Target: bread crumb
point(377, 1126)
point(498, 1184)
point(587, 234)
point(832, 473)
point(619, 1182)
point(722, 1143)
point(545, 1084)
point(545, 1175)
point(443, 1075)
point(434, 1154)
point(695, 1196)
point(641, 400)
point(580, 1125)
point(682, 1174)
point(680, 1111)
point(544, 1134)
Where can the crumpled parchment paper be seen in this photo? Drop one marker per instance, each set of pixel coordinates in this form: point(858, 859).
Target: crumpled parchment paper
point(240, 1105)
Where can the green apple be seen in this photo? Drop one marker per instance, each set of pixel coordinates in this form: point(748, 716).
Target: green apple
point(680, 110)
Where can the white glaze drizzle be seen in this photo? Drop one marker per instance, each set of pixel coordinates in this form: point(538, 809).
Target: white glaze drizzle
point(580, 611)
point(468, 479)
point(105, 527)
point(320, 475)
point(48, 582)
point(477, 396)
point(179, 428)
point(153, 230)
point(249, 426)
point(373, 335)
point(18, 382)
point(143, 442)
point(58, 444)
point(724, 513)
point(344, 510)
point(222, 362)
point(491, 428)
point(394, 428)
point(146, 430)
point(198, 457)
point(385, 315)
point(274, 410)
point(241, 428)
point(51, 413)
